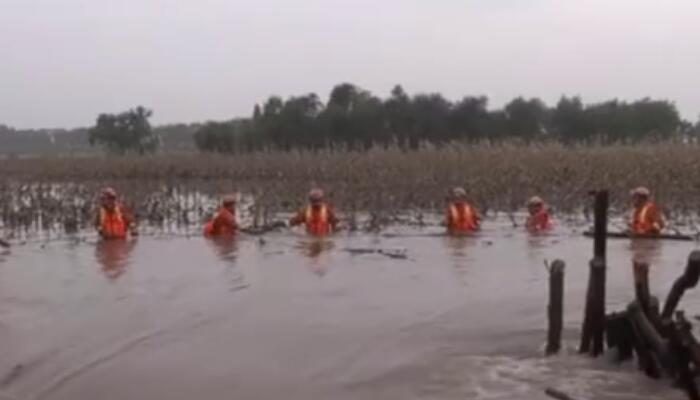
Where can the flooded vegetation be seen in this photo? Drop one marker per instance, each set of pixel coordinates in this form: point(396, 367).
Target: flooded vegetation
point(178, 190)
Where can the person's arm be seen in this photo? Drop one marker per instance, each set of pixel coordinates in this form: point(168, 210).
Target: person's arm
point(477, 217)
point(298, 219)
point(332, 218)
point(98, 222)
point(448, 218)
point(129, 221)
point(659, 221)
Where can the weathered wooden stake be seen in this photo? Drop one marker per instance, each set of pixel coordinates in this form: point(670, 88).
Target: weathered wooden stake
point(598, 313)
point(688, 280)
point(555, 309)
point(600, 224)
point(592, 338)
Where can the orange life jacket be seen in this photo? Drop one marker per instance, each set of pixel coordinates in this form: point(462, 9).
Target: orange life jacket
point(223, 223)
point(539, 222)
point(113, 224)
point(317, 220)
point(645, 220)
point(462, 218)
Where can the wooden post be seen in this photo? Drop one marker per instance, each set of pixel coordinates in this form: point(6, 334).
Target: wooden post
point(688, 280)
point(555, 310)
point(600, 224)
point(592, 339)
point(593, 332)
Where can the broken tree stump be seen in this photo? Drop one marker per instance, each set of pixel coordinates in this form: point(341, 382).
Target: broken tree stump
point(555, 309)
point(688, 280)
point(689, 341)
point(681, 360)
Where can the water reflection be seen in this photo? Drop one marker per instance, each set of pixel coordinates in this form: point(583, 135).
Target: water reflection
point(114, 256)
point(313, 249)
point(644, 250)
point(459, 250)
point(226, 248)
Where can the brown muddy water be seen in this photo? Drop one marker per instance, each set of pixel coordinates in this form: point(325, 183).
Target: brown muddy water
point(288, 317)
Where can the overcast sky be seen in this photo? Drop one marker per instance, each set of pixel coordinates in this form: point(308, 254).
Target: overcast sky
point(64, 61)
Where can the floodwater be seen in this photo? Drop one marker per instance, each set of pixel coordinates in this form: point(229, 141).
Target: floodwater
point(288, 317)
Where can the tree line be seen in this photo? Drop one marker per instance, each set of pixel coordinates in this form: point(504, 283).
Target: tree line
point(354, 118)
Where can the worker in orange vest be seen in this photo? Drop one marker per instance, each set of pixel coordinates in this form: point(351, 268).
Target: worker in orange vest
point(538, 219)
point(224, 222)
point(647, 219)
point(461, 217)
point(317, 216)
point(113, 220)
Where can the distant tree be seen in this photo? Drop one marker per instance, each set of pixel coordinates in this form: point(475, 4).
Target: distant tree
point(568, 120)
point(526, 118)
point(469, 118)
point(257, 113)
point(215, 137)
point(273, 106)
point(353, 117)
point(429, 114)
point(127, 132)
point(397, 113)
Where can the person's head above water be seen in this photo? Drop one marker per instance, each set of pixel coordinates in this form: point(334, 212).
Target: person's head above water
point(229, 202)
point(108, 198)
point(458, 194)
point(535, 204)
point(640, 195)
point(316, 196)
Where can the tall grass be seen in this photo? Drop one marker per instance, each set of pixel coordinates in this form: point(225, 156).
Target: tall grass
point(379, 181)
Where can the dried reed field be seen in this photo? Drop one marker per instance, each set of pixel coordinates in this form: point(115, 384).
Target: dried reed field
point(381, 182)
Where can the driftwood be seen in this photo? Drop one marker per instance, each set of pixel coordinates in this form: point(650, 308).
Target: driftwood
point(391, 253)
point(661, 236)
point(649, 336)
point(688, 280)
point(556, 394)
point(555, 310)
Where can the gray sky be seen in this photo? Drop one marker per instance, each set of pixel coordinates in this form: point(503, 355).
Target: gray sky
point(64, 61)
